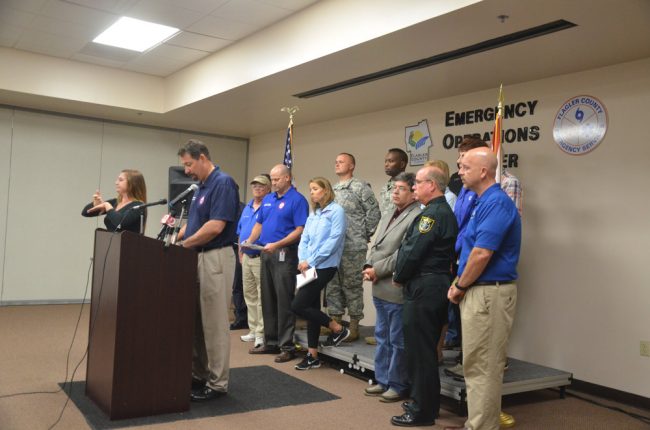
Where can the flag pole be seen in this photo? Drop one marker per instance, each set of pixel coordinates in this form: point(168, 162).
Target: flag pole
point(288, 148)
point(496, 137)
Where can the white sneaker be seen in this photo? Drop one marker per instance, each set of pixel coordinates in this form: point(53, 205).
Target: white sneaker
point(259, 341)
point(247, 337)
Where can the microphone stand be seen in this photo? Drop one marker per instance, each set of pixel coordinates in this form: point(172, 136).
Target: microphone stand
point(177, 227)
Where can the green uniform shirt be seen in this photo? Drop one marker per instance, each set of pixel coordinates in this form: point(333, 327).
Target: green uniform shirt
point(428, 246)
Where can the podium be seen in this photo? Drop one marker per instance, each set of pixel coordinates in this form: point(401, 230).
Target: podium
point(141, 326)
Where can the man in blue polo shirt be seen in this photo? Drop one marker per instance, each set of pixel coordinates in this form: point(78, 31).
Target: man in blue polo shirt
point(250, 261)
point(279, 226)
point(210, 231)
point(486, 288)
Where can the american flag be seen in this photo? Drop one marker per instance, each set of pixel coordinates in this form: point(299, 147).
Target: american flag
point(496, 136)
point(288, 156)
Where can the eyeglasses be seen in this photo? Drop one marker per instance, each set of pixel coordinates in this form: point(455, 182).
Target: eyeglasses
point(401, 189)
point(418, 181)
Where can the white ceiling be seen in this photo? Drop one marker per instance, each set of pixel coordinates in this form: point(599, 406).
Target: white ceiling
point(607, 32)
point(66, 28)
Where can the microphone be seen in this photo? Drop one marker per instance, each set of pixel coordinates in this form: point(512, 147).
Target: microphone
point(184, 194)
point(146, 205)
point(168, 220)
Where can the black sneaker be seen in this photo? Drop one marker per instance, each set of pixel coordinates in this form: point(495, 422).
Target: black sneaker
point(335, 339)
point(308, 362)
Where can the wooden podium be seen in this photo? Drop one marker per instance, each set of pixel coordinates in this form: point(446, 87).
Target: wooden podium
point(141, 326)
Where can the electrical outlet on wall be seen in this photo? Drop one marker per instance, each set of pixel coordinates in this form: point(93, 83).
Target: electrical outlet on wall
point(645, 348)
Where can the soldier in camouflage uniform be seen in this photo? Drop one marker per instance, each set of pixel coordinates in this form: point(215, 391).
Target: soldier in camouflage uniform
point(362, 213)
point(395, 163)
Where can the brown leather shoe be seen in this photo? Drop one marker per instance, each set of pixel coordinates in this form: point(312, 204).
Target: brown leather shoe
point(265, 349)
point(285, 356)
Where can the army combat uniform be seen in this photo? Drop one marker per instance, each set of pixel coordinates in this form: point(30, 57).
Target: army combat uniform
point(386, 204)
point(423, 267)
point(362, 213)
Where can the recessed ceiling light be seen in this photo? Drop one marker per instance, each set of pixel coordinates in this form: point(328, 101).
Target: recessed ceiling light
point(134, 34)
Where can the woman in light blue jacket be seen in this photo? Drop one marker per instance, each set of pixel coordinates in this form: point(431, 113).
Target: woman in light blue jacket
point(321, 247)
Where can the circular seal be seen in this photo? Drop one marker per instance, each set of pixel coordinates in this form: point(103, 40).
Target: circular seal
point(580, 125)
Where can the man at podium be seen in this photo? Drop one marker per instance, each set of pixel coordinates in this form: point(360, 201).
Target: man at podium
point(211, 231)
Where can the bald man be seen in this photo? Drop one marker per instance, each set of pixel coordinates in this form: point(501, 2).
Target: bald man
point(279, 227)
point(485, 287)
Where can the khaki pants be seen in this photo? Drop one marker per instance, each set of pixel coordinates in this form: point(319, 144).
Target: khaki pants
point(487, 312)
point(212, 338)
point(253, 294)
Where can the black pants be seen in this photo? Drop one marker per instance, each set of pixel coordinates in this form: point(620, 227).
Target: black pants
point(424, 314)
point(278, 279)
point(241, 312)
point(306, 304)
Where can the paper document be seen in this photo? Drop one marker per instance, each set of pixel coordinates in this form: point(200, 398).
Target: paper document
point(251, 246)
point(310, 275)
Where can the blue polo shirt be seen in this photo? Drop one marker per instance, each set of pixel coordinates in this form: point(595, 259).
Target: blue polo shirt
point(463, 210)
point(495, 225)
point(280, 216)
point(216, 199)
point(245, 226)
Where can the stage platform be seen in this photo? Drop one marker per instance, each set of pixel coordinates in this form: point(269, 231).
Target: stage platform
point(357, 358)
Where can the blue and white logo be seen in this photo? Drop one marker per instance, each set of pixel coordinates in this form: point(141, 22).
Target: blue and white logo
point(580, 125)
point(418, 142)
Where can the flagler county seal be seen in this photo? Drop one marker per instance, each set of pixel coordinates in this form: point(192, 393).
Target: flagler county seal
point(580, 125)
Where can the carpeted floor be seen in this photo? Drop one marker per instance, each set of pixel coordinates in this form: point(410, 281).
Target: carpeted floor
point(248, 392)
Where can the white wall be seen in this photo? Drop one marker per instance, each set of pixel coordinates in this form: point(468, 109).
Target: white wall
point(50, 167)
point(583, 289)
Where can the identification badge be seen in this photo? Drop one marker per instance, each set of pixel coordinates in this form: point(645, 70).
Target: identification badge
point(282, 255)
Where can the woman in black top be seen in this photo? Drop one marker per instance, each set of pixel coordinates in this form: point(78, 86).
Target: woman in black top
point(131, 191)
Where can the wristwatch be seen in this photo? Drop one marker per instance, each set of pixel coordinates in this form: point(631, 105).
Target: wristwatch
point(463, 289)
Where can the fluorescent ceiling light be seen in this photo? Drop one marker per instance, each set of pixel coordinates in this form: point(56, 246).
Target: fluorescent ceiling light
point(134, 34)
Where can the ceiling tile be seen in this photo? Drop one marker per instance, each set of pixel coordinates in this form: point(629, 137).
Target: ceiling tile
point(222, 28)
point(198, 41)
point(108, 52)
point(203, 6)
point(78, 14)
point(117, 7)
point(164, 13)
point(294, 5)
point(251, 12)
point(49, 44)
point(153, 65)
point(9, 35)
point(177, 53)
point(24, 5)
point(15, 17)
point(64, 28)
point(96, 60)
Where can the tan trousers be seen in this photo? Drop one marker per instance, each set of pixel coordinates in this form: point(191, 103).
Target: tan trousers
point(486, 312)
point(212, 331)
point(253, 294)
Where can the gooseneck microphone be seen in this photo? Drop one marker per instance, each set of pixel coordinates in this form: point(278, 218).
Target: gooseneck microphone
point(146, 205)
point(184, 194)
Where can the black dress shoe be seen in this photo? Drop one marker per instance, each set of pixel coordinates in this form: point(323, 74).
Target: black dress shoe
point(197, 383)
point(406, 406)
point(204, 394)
point(238, 325)
point(408, 420)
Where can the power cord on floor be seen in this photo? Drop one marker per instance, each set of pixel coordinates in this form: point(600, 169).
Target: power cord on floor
point(67, 360)
point(634, 415)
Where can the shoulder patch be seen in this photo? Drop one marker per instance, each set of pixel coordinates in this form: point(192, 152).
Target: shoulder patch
point(426, 224)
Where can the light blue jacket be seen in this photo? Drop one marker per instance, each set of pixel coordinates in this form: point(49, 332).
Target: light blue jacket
point(321, 244)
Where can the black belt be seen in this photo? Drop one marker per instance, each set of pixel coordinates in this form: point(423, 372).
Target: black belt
point(206, 249)
point(497, 283)
point(252, 256)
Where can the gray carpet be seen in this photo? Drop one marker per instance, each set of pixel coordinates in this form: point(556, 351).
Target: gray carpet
point(251, 388)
